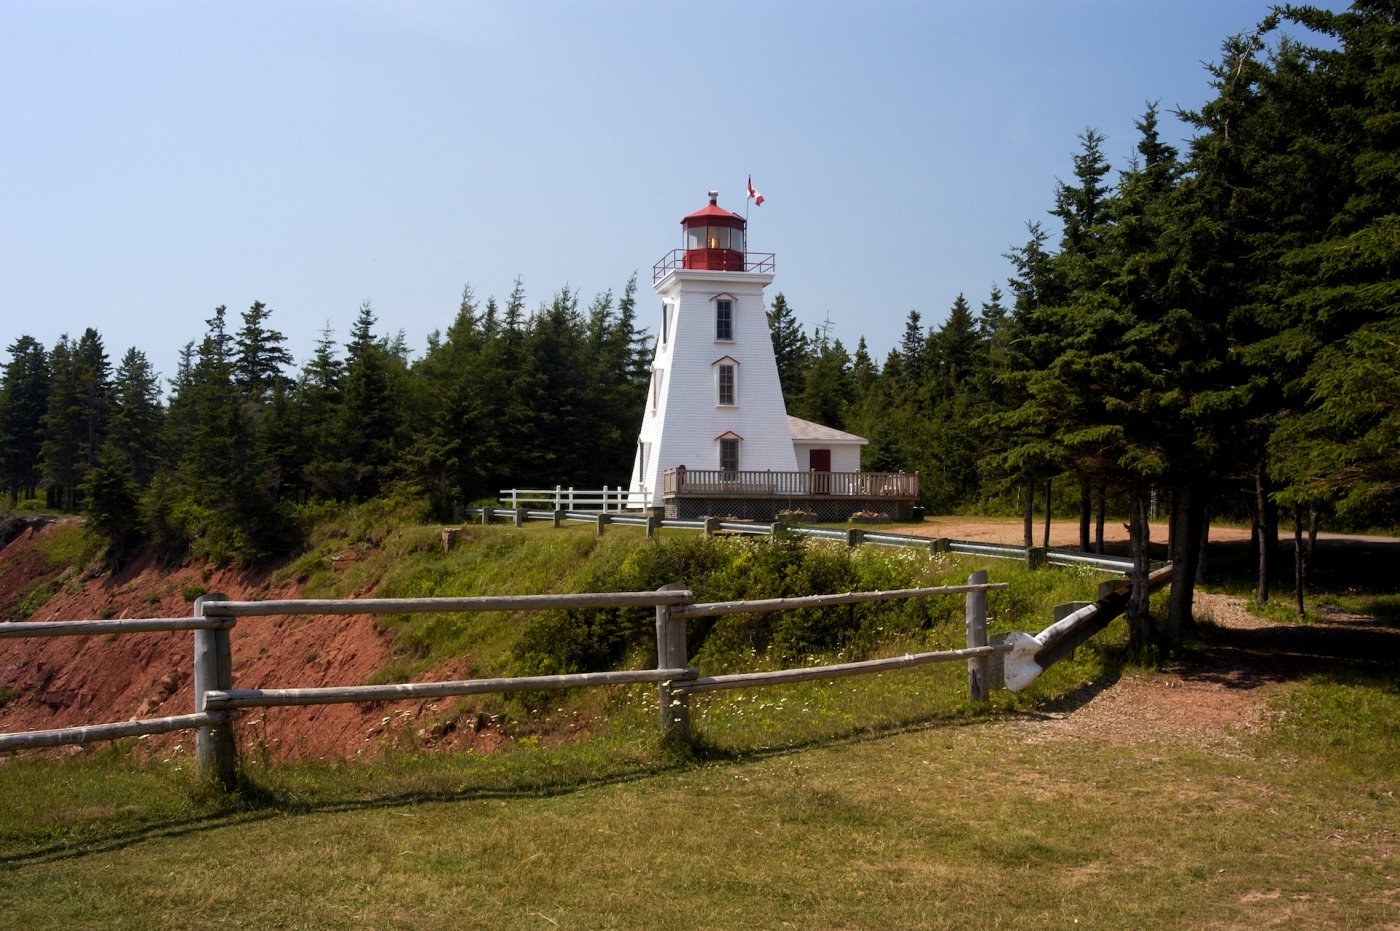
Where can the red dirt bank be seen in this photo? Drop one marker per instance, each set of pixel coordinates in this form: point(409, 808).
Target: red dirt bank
point(66, 681)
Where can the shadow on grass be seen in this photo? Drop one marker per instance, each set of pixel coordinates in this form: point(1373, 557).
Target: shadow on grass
point(254, 802)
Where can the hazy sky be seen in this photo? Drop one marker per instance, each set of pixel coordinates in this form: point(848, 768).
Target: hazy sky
point(162, 158)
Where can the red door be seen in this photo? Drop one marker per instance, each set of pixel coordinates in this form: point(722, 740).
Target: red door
point(819, 461)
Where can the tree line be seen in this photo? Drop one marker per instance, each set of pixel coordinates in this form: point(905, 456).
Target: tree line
point(243, 444)
point(1207, 331)
point(1211, 324)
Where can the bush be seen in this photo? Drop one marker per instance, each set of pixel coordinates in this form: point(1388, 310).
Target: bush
point(783, 566)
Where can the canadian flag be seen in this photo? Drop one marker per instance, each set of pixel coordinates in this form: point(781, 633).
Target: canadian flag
point(754, 196)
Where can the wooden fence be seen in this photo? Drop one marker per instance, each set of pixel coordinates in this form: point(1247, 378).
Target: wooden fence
point(216, 701)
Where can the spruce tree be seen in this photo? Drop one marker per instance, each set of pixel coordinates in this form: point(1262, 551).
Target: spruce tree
point(24, 399)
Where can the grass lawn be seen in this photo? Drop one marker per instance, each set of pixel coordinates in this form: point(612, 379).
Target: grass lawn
point(901, 824)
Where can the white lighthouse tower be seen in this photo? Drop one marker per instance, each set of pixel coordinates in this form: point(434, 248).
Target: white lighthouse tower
point(715, 403)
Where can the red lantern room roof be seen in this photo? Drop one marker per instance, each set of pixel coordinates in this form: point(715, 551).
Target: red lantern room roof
point(714, 215)
point(715, 240)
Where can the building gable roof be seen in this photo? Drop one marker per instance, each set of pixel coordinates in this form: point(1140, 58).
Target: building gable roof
point(804, 431)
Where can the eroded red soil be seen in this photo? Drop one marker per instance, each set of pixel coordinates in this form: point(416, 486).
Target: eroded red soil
point(68, 681)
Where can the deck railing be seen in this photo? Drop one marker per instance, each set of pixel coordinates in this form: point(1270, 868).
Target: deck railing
point(739, 483)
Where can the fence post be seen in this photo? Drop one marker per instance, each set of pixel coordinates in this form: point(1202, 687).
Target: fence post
point(671, 654)
point(558, 498)
point(216, 756)
point(605, 497)
point(979, 667)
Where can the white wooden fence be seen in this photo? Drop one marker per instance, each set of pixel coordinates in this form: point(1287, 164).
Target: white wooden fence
point(560, 498)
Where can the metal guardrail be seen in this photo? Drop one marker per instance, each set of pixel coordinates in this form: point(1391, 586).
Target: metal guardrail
point(1054, 556)
point(819, 533)
point(1063, 557)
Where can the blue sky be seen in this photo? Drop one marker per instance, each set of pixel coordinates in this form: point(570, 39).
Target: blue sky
point(162, 158)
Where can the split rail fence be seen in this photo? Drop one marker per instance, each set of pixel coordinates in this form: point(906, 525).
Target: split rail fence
point(1022, 657)
point(217, 702)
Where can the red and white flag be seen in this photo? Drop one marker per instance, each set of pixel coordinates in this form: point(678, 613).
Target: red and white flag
point(754, 196)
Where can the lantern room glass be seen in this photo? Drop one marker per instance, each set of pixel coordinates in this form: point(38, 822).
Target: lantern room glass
point(715, 237)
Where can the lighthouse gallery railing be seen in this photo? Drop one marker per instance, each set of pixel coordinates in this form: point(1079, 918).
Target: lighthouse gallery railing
point(675, 260)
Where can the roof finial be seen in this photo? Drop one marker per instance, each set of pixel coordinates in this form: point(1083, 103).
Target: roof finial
point(714, 197)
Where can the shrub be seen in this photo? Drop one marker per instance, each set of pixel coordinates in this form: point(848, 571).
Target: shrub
point(782, 566)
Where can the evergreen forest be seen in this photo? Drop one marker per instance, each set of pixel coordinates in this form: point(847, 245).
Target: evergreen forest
point(1209, 331)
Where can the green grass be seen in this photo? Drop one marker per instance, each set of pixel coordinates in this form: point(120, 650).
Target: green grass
point(889, 819)
point(877, 802)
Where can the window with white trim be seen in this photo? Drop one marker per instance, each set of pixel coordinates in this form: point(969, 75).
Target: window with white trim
point(724, 320)
point(726, 377)
point(729, 453)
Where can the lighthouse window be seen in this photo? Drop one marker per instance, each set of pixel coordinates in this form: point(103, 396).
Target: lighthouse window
point(726, 385)
point(665, 322)
point(729, 454)
point(724, 320)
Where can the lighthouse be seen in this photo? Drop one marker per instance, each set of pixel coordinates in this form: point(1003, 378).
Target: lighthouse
point(715, 405)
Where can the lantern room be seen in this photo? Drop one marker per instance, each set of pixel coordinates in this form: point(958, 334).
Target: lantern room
point(714, 238)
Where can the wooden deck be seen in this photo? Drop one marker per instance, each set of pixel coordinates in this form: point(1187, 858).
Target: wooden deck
point(709, 483)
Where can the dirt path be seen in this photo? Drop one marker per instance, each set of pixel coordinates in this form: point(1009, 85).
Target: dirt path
point(1010, 531)
point(1212, 703)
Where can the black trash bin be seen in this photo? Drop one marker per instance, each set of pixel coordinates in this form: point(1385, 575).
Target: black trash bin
point(918, 513)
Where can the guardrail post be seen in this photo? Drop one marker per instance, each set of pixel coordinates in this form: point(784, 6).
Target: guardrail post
point(777, 527)
point(711, 525)
point(854, 536)
point(603, 521)
point(1035, 557)
point(1112, 585)
point(671, 654)
point(487, 514)
point(558, 517)
point(653, 525)
point(979, 667)
point(1060, 612)
point(940, 545)
point(216, 756)
point(520, 517)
